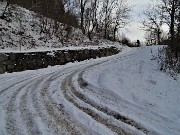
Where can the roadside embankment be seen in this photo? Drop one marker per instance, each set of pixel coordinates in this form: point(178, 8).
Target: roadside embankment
point(14, 62)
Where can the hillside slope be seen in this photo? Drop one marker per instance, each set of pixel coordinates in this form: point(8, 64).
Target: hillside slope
point(23, 29)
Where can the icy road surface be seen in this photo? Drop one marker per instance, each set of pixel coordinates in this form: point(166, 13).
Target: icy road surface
point(124, 94)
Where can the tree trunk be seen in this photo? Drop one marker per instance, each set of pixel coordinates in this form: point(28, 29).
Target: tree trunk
point(158, 36)
point(105, 30)
point(172, 22)
point(82, 17)
point(114, 33)
point(8, 3)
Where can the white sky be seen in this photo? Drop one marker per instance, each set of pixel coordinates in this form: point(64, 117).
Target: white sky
point(133, 31)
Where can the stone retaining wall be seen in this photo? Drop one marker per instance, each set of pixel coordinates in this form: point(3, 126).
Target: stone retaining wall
point(14, 62)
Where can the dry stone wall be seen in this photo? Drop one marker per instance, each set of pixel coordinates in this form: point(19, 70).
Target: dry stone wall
point(14, 62)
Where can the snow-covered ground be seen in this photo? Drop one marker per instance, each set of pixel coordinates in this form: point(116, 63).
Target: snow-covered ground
point(24, 30)
point(122, 94)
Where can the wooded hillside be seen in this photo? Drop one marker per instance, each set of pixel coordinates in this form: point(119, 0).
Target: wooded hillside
point(49, 8)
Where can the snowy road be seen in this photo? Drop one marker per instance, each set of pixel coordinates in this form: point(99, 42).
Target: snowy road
point(97, 97)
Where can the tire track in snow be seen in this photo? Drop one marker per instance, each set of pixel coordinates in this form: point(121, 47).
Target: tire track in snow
point(38, 103)
point(27, 115)
point(29, 91)
point(104, 109)
point(72, 94)
point(17, 83)
point(55, 116)
point(12, 126)
point(36, 91)
point(55, 111)
point(82, 84)
point(67, 90)
point(13, 107)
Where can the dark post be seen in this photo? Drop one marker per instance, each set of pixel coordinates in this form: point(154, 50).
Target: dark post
point(138, 43)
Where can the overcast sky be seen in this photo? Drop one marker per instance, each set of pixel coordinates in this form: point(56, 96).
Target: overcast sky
point(133, 31)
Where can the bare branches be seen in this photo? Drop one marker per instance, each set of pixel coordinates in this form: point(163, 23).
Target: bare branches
point(7, 4)
point(171, 9)
point(152, 22)
point(114, 15)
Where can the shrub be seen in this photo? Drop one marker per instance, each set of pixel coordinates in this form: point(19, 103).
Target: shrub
point(168, 61)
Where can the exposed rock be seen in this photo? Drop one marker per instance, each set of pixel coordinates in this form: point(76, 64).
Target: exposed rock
point(13, 62)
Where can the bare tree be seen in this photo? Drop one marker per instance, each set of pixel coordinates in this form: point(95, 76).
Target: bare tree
point(153, 21)
point(170, 10)
point(108, 6)
point(122, 16)
point(71, 6)
point(83, 4)
point(178, 23)
point(91, 20)
point(7, 4)
point(114, 15)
